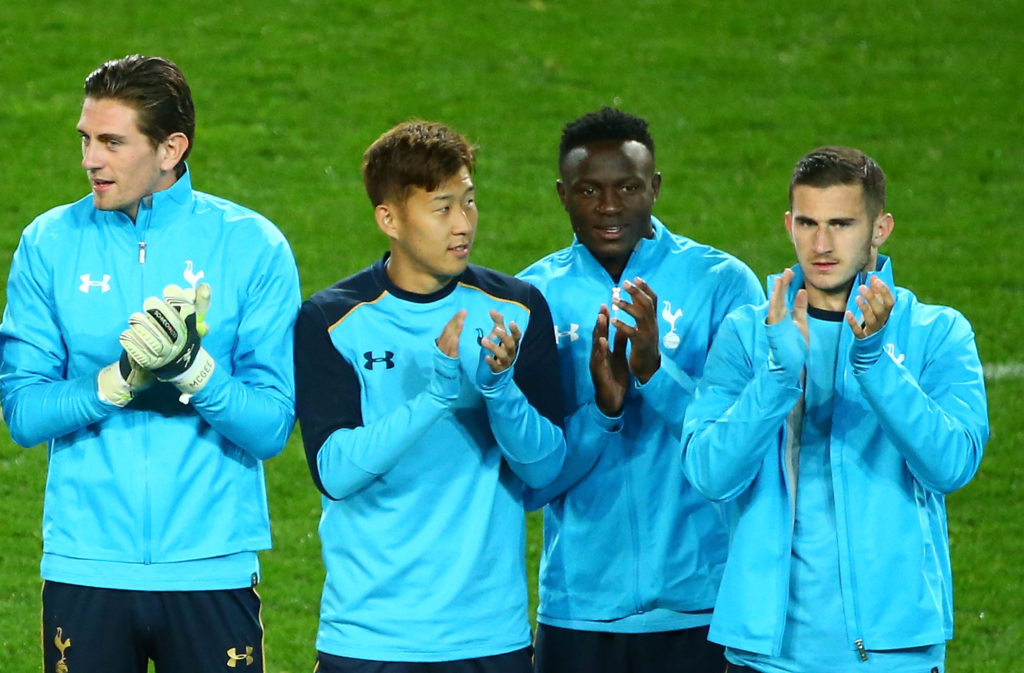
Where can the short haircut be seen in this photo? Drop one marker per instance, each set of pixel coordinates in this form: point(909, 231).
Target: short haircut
point(156, 88)
point(603, 125)
point(831, 166)
point(414, 154)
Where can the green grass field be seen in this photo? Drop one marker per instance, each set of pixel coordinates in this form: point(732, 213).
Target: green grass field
point(290, 93)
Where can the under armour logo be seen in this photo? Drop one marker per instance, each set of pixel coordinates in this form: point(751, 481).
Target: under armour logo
point(88, 283)
point(890, 350)
point(479, 336)
point(190, 277)
point(671, 340)
point(388, 360)
point(573, 333)
point(234, 657)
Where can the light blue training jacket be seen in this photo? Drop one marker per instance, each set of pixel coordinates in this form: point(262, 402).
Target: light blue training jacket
point(158, 482)
point(906, 431)
point(628, 535)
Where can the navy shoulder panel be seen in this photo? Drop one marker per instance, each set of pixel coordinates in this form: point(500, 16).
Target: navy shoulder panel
point(498, 284)
point(338, 300)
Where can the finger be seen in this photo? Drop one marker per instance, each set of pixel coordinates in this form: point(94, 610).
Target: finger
point(777, 302)
point(621, 339)
point(800, 306)
point(176, 297)
point(517, 333)
point(870, 318)
point(599, 350)
point(883, 290)
point(448, 342)
point(774, 302)
point(493, 343)
point(640, 292)
point(601, 324)
point(873, 298)
point(498, 318)
point(627, 331)
point(202, 301)
point(642, 309)
point(856, 327)
point(136, 342)
point(646, 289)
point(881, 298)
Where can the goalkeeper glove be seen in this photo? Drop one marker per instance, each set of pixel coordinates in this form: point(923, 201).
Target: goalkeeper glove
point(165, 338)
point(119, 382)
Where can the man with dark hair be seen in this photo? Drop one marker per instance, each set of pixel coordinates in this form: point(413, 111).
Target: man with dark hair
point(428, 400)
point(632, 554)
point(157, 421)
point(833, 445)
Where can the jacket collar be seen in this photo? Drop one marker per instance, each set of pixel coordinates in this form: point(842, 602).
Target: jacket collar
point(643, 256)
point(176, 196)
point(883, 269)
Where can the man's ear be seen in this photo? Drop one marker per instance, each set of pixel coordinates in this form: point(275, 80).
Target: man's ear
point(172, 150)
point(656, 185)
point(387, 219)
point(560, 188)
point(882, 228)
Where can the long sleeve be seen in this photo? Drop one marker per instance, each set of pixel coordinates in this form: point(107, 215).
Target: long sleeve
point(343, 454)
point(526, 410)
point(668, 392)
point(938, 421)
point(39, 402)
point(249, 399)
point(588, 432)
point(736, 414)
point(671, 389)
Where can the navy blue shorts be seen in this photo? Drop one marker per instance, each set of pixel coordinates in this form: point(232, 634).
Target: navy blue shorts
point(736, 668)
point(570, 651)
point(90, 630)
point(519, 661)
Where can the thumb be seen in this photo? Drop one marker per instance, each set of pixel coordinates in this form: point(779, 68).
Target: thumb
point(202, 305)
point(800, 306)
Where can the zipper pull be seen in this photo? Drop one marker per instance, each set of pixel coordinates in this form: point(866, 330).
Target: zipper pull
point(142, 252)
point(860, 648)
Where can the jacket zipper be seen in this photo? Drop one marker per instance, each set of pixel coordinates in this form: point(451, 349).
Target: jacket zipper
point(634, 535)
point(141, 229)
point(842, 369)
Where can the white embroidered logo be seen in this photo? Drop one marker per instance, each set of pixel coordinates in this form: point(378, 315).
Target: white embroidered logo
point(573, 333)
point(190, 277)
point(671, 340)
point(88, 283)
point(890, 350)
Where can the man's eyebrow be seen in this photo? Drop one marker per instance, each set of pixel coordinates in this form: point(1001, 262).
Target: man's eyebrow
point(446, 196)
point(832, 220)
point(105, 137)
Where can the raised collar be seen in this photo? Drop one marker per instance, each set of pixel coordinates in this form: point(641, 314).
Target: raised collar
point(176, 196)
point(643, 256)
point(883, 269)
